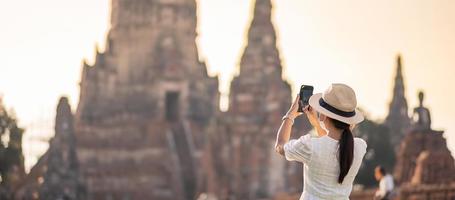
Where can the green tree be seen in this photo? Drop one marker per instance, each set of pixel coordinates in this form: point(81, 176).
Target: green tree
point(379, 151)
point(11, 157)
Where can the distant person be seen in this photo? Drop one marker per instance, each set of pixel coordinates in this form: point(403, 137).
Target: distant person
point(332, 159)
point(386, 185)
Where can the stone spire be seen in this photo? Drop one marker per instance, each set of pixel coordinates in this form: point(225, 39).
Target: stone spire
point(261, 44)
point(262, 15)
point(398, 119)
point(260, 69)
point(62, 179)
point(258, 98)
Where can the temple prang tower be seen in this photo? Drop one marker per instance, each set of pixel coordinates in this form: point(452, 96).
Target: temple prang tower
point(57, 173)
point(398, 120)
point(145, 104)
point(62, 178)
point(245, 165)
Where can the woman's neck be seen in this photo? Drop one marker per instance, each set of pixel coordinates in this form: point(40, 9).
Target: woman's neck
point(334, 133)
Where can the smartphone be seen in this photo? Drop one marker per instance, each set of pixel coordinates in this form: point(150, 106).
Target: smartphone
point(305, 93)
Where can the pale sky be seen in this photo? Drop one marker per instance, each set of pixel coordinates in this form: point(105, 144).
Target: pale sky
point(42, 44)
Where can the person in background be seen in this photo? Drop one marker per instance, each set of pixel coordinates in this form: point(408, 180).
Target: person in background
point(385, 184)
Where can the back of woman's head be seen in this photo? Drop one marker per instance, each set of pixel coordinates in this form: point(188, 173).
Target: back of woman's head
point(346, 148)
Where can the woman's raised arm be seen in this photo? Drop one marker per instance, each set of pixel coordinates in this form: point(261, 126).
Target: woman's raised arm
point(314, 121)
point(284, 132)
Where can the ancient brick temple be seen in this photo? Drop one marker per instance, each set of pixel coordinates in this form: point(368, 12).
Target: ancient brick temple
point(242, 150)
point(424, 157)
point(425, 168)
point(148, 124)
point(144, 105)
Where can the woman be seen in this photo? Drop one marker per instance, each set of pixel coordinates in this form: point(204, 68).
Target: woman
point(332, 159)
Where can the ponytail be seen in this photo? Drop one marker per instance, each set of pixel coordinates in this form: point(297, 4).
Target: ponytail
point(346, 150)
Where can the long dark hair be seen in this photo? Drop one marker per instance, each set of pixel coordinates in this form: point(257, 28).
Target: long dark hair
point(346, 149)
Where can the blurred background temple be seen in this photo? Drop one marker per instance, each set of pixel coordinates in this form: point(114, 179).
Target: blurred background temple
point(148, 123)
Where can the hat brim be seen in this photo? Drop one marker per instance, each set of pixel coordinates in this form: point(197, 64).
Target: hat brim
point(314, 103)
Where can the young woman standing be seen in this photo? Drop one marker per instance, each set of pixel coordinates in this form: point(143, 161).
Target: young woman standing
point(333, 158)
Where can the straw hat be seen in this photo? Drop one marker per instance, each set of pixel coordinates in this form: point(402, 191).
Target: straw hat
point(337, 102)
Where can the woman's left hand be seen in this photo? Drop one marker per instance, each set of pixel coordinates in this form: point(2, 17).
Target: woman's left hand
point(293, 110)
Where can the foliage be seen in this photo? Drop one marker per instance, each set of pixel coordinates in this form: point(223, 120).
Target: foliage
point(11, 157)
point(379, 151)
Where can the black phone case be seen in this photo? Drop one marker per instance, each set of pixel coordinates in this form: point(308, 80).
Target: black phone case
point(301, 99)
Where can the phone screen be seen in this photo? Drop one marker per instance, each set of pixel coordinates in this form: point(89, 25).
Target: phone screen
point(305, 93)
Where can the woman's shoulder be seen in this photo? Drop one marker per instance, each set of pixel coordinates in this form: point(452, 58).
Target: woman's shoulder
point(360, 142)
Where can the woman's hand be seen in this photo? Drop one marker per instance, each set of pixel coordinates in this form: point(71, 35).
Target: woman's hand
point(314, 121)
point(312, 116)
point(293, 110)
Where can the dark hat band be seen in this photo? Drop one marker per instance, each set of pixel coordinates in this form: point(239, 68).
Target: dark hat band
point(332, 109)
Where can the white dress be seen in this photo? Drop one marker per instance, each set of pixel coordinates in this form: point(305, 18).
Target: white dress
point(321, 166)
